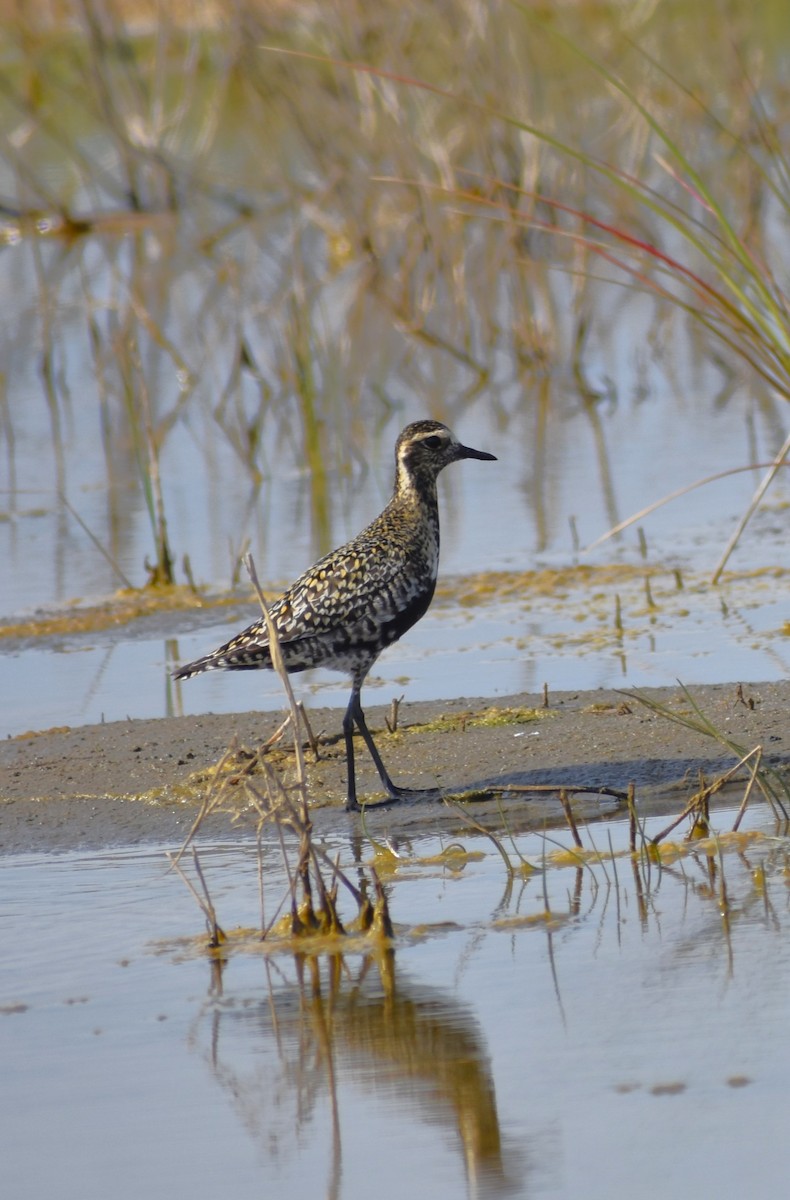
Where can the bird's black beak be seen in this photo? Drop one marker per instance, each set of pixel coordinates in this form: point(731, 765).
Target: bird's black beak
point(468, 452)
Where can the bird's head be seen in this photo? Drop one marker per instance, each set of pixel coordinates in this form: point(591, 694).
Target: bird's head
point(425, 448)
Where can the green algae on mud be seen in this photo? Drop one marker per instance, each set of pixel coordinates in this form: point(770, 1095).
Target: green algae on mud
point(650, 597)
point(127, 605)
point(486, 718)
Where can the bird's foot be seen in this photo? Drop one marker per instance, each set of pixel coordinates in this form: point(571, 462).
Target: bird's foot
point(396, 796)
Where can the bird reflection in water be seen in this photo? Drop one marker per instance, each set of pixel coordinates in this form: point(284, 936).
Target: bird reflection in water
point(325, 1025)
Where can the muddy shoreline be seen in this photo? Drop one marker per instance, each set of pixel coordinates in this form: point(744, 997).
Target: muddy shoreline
point(141, 781)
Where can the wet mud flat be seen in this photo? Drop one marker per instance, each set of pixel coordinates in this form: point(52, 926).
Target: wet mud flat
point(136, 781)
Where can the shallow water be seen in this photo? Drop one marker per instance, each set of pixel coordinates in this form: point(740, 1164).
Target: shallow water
point(633, 1044)
point(495, 645)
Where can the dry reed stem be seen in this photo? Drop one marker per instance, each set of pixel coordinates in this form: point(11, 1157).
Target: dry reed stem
point(569, 817)
point(211, 799)
point(204, 901)
point(633, 820)
point(473, 824)
point(279, 666)
point(758, 754)
point(700, 799)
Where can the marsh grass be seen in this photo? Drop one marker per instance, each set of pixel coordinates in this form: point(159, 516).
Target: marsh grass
point(680, 238)
point(307, 916)
point(771, 783)
point(728, 869)
point(732, 289)
point(648, 850)
point(253, 250)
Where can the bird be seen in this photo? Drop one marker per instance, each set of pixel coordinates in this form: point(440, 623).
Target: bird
point(359, 599)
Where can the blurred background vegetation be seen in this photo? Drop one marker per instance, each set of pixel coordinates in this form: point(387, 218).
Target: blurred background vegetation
point(240, 238)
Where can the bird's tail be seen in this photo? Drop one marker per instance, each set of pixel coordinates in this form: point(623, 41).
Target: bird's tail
point(207, 663)
point(242, 653)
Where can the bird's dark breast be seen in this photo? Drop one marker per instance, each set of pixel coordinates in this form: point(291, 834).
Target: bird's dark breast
point(394, 628)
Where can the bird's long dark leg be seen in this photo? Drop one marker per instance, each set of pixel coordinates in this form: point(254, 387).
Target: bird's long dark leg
point(355, 716)
point(348, 733)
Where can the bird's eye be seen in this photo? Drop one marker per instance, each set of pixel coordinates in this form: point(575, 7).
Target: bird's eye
point(433, 443)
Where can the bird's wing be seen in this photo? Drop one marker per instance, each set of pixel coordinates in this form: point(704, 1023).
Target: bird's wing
point(350, 589)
